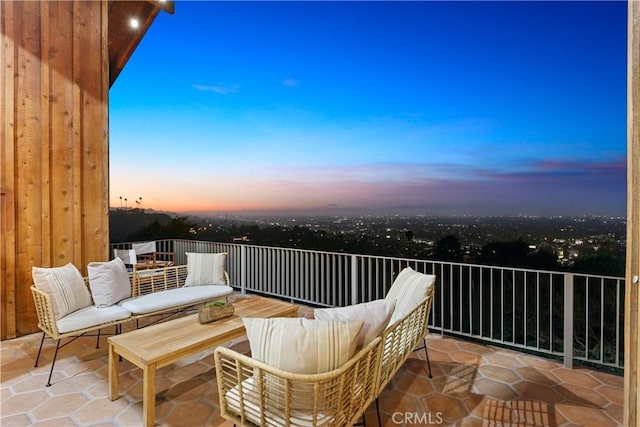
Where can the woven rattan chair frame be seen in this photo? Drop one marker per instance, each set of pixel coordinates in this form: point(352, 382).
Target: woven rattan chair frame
point(254, 393)
point(402, 338)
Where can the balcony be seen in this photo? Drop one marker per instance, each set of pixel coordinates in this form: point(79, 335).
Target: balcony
point(502, 346)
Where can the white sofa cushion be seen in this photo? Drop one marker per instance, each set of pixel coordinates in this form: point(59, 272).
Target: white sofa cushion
point(109, 282)
point(302, 346)
point(165, 300)
point(409, 288)
point(66, 287)
point(205, 269)
point(374, 314)
point(274, 413)
point(91, 316)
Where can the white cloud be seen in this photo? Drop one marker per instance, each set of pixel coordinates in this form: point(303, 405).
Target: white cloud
point(220, 89)
point(289, 82)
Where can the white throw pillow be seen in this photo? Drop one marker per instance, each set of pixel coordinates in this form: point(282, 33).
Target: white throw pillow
point(409, 288)
point(205, 269)
point(66, 287)
point(303, 346)
point(109, 282)
point(403, 278)
point(374, 314)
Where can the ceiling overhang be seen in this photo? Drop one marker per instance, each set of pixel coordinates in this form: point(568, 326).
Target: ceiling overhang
point(123, 37)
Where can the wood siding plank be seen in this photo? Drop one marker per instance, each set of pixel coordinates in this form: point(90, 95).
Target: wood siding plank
point(93, 147)
point(28, 146)
point(8, 259)
point(47, 116)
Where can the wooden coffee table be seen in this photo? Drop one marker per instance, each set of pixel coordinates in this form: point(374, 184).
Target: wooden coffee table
point(159, 345)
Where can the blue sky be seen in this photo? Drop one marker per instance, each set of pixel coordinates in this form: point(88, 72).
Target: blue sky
point(433, 107)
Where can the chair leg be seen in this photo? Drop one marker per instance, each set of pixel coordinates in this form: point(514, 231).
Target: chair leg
point(378, 412)
point(426, 353)
point(39, 350)
point(53, 362)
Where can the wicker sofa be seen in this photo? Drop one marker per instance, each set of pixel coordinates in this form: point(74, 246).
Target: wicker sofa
point(152, 292)
point(255, 393)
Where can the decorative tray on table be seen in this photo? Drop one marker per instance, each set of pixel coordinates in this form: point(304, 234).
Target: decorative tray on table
point(214, 310)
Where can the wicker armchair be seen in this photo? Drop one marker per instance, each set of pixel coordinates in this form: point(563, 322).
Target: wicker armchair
point(254, 393)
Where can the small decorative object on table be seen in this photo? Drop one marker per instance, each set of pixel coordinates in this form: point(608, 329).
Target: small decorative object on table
point(214, 310)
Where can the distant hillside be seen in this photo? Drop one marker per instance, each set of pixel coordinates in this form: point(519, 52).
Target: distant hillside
point(124, 222)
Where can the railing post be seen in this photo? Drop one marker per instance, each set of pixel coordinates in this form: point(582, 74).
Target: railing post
point(243, 270)
point(568, 321)
point(354, 279)
point(178, 248)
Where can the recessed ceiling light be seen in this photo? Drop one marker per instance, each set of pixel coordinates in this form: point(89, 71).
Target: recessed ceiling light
point(134, 23)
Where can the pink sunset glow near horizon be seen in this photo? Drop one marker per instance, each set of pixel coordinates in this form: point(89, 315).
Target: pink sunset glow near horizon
point(448, 189)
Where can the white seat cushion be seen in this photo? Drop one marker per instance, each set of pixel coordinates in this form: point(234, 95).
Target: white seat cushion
point(164, 300)
point(374, 314)
point(409, 288)
point(273, 415)
point(91, 316)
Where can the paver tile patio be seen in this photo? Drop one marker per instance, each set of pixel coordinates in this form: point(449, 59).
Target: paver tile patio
point(472, 385)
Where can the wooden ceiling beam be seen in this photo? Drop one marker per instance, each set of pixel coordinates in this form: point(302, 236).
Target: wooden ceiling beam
point(167, 6)
point(123, 38)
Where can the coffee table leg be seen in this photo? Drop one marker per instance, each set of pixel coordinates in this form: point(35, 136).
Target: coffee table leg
point(114, 373)
point(148, 395)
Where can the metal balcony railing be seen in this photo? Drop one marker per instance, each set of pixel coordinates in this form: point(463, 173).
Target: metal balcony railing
point(561, 315)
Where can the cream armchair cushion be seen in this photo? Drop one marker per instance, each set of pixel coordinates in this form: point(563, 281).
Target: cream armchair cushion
point(302, 346)
point(375, 315)
point(409, 288)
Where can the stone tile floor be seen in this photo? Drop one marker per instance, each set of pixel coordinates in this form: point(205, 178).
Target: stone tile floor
point(472, 385)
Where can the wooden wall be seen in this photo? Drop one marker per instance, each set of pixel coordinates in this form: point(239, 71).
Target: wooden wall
point(54, 160)
point(632, 294)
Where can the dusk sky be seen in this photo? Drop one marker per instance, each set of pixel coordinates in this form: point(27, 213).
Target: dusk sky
point(475, 108)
